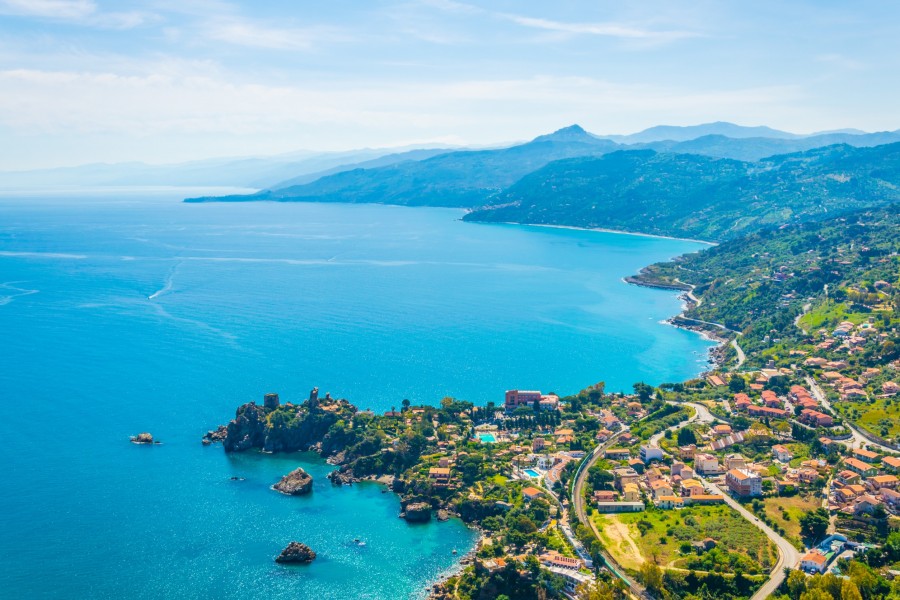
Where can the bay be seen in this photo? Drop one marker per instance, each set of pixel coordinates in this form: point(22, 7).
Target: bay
point(130, 311)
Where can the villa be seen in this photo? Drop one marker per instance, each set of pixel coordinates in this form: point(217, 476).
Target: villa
point(743, 482)
point(781, 453)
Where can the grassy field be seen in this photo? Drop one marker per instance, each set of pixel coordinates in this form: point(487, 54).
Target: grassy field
point(556, 542)
point(657, 536)
point(829, 314)
point(881, 417)
point(789, 518)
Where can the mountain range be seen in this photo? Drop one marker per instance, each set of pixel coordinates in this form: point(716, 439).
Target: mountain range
point(724, 140)
point(711, 187)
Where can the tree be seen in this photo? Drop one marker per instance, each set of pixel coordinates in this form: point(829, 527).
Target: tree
point(405, 405)
point(814, 525)
point(816, 594)
point(796, 583)
point(651, 576)
point(849, 591)
point(598, 590)
point(533, 565)
point(686, 436)
point(737, 384)
point(643, 391)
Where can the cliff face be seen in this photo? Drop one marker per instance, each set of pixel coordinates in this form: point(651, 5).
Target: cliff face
point(286, 428)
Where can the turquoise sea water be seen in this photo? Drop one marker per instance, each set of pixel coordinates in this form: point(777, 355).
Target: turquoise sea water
point(127, 312)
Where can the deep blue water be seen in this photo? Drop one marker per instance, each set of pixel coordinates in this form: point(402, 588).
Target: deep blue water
point(123, 313)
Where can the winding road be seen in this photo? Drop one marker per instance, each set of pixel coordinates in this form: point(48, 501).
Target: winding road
point(788, 556)
point(858, 438)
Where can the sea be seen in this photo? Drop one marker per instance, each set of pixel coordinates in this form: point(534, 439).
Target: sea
point(125, 311)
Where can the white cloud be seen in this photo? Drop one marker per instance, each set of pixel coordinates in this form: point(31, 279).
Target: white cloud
point(615, 30)
point(243, 32)
point(56, 9)
point(83, 12)
point(568, 29)
point(841, 61)
point(179, 98)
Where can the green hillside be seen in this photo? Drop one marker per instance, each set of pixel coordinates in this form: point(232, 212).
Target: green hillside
point(696, 196)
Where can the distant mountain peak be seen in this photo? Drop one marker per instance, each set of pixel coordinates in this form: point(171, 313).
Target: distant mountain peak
point(572, 133)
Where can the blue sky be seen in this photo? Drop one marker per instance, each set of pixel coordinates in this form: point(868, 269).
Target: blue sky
point(164, 81)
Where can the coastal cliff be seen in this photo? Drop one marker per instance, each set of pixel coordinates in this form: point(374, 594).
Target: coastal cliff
point(274, 427)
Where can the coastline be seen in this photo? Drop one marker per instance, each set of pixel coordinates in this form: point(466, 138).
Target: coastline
point(715, 354)
point(600, 230)
point(435, 590)
point(681, 321)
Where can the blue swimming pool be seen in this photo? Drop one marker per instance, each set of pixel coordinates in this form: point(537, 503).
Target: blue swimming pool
point(532, 473)
point(487, 438)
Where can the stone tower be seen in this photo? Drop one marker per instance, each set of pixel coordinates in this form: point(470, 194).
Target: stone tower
point(314, 396)
point(271, 401)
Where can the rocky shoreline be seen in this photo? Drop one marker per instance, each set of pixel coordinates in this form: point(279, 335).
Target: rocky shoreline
point(708, 332)
point(440, 590)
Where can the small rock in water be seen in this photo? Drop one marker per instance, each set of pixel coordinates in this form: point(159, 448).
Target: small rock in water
point(296, 553)
point(142, 438)
point(417, 512)
point(295, 483)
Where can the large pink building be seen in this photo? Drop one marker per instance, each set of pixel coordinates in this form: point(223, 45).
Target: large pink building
point(517, 398)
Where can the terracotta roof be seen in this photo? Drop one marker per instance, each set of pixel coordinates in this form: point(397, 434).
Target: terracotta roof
point(815, 557)
point(853, 462)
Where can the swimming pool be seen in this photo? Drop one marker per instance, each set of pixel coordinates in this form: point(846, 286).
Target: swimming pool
point(487, 438)
point(532, 473)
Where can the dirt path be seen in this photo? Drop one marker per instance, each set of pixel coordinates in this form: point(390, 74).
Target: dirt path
point(619, 534)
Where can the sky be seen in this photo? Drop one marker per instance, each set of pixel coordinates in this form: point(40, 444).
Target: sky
point(160, 81)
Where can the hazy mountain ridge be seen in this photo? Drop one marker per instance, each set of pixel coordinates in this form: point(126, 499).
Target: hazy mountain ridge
point(468, 178)
point(454, 179)
point(250, 172)
point(696, 196)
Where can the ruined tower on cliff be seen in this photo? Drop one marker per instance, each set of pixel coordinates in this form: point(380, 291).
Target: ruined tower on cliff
point(271, 401)
point(313, 397)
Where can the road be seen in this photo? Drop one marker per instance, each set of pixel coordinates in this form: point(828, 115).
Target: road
point(701, 413)
point(741, 357)
point(788, 556)
point(858, 438)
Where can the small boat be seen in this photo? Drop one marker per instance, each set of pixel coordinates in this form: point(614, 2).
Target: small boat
point(454, 551)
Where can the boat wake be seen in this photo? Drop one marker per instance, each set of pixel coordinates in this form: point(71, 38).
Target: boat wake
point(168, 284)
point(11, 286)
